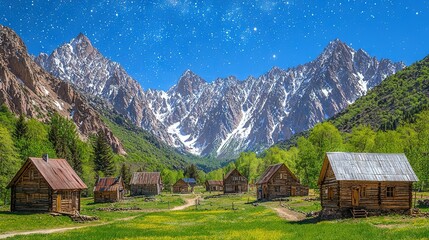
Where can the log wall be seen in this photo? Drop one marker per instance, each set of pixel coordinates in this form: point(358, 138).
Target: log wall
point(31, 192)
point(281, 184)
point(235, 183)
point(145, 189)
point(371, 195)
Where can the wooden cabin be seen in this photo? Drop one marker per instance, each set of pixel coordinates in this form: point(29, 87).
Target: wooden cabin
point(109, 189)
point(184, 185)
point(46, 185)
point(370, 182)
point(146, 183)
point(234, 182)
point(214, 185)
point(277, 182)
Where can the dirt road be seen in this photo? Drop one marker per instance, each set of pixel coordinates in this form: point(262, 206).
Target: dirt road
point(189, 202)
point(289, 214)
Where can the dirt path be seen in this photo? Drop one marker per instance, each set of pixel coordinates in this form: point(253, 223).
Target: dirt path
point(289, 214)
point(56, 230)
point(189, 202)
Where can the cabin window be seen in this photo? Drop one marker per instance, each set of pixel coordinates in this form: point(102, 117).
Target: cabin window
point(363, 192)
point(31, 175)
point(281, 176)
point(330, 193)
point(276, 188)
point(390, 191)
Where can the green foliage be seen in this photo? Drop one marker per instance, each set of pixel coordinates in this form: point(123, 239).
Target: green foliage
point(308, 162)
point(248, 165)
point(63, 135)
point(9, 162)
point(126, 175)
point(191, 172)
point(103, 156)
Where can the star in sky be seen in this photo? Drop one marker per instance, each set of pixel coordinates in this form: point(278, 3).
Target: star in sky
point(157, 40)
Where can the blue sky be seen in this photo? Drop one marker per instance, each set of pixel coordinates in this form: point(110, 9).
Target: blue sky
point(156, 41)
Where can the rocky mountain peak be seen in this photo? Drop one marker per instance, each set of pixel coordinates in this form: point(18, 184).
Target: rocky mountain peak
point(189, 83)
point(227, 116)
point(30, 90)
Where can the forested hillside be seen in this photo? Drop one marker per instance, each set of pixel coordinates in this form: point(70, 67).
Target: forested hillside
point(397, 99)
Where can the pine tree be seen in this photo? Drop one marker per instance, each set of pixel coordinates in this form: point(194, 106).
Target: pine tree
point(126, 174)
point(103, 156)
point(63, 136)
point(21, 128)
point(191, 172)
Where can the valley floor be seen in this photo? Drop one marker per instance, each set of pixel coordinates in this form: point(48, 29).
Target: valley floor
point(211, 216)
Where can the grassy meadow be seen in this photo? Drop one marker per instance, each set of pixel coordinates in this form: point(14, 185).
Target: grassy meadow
point(215, 217)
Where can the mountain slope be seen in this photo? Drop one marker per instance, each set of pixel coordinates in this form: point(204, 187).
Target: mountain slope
point(396, 99)
point(227, 116)
point(28, 89)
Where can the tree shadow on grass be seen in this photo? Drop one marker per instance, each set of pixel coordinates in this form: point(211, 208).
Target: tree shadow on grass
point(20, 213)
point(312, 220)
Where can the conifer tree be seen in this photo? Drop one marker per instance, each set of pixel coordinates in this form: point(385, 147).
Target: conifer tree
point(103, 156)
point(125, 174)
point(21, 128)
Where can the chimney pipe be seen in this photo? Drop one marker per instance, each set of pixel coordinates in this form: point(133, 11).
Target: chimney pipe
point(45, 157)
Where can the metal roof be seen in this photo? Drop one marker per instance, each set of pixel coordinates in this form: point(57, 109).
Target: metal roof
point(57, 172)
point(140, 178)
point(215, 182)
point(189, 180)
point(371, 166)
point(108, 184)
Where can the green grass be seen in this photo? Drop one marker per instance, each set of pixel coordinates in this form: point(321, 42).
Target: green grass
point(248, 222)
point(14, 222)
point(220, 217)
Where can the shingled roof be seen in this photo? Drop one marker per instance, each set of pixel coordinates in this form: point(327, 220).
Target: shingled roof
point(270, 171)
point(231, 171)
point(108, 184)
point(141, 178)
point(369, 167)
point(215, 182)
point(57, 172)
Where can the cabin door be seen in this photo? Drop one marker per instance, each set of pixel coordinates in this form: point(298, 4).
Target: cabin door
point(59, 202)
point(355, 197)
point(293, 191)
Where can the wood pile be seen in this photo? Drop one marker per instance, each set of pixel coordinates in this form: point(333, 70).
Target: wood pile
point(83, 218)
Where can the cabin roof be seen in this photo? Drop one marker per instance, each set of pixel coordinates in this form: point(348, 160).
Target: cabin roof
point(215, 182)
point(108, 184)
point(270, 171)
point(57, 172)
point(140, 178)
point(231, 171)
point(189, 180)
point(369, 167)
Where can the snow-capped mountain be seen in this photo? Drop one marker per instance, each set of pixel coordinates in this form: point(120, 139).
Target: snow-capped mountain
point(227, 116)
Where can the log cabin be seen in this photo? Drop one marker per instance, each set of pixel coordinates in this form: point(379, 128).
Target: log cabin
point(146, 183)
point(365, 183)
point(46, 185)
point(214, 185)
point(278, 182)
point(184, 185)
point(234, 182)
point(109, 189)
